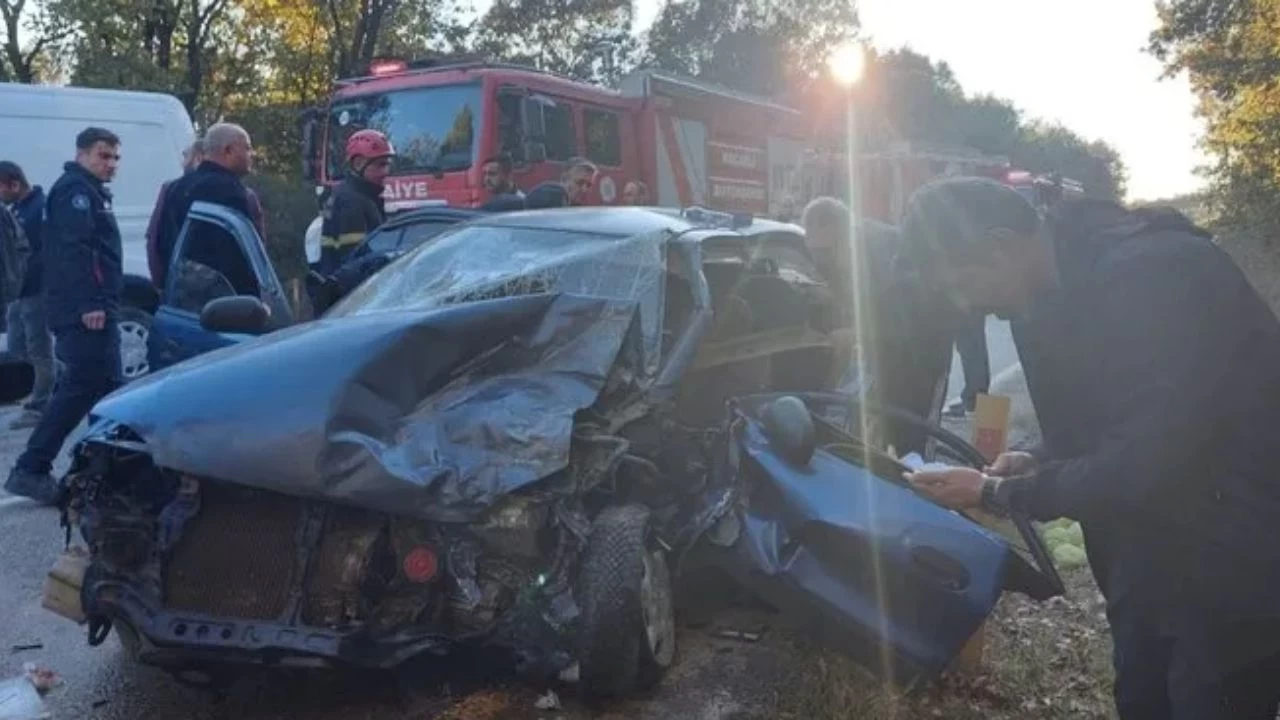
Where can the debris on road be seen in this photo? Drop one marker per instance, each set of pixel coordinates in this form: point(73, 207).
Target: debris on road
point(550, 701)
point(20, 701)
point(28, 646)
point(42, 678)
point(739, 635)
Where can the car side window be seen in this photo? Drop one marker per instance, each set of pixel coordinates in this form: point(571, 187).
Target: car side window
point(604, 144)
point(210, 264)
point(418, 233)
point(383, 241)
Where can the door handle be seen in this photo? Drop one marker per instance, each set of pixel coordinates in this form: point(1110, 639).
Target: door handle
point(941, 567)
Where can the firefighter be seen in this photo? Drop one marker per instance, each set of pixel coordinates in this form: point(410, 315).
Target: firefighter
point(82, 284)
point(1151, 363)
point(356, 207)
point(27, 325)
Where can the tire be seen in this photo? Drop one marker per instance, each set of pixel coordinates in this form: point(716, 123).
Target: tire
point(626, 635)
point(135, 332)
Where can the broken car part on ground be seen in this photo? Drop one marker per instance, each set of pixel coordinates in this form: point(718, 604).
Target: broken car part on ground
point(517, 435)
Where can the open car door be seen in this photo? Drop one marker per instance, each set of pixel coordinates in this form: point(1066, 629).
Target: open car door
point(239, 265)
point(834, 538)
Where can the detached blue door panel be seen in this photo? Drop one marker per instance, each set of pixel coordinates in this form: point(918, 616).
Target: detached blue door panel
point(176, 333)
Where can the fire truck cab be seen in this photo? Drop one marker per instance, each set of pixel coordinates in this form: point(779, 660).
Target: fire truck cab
point(691, 143)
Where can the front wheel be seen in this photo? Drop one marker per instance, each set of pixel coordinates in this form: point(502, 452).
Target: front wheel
point(135, 332)
point(626, 636)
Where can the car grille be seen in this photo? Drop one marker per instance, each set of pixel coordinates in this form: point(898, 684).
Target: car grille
point(237, 557)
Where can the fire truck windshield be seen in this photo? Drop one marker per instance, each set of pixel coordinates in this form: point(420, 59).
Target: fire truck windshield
point(431, 128)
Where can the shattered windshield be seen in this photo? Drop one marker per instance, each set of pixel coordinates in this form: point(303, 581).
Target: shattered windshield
point(483, 262)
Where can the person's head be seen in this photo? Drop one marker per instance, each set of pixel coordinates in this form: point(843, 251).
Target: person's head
point(981, 243)
point(578, 179)
point(497, 174)
point(98, 152)
point(13, 182)
point(193, 155)
point(635, 193)
point(369, 154)
point(826, 229)
point(228, 145)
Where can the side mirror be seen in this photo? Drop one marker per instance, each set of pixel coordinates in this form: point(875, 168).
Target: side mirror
point(310, 124)
point(236, 314)
point(535, 152)
point(790, 429)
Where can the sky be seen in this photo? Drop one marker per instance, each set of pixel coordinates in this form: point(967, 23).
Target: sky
point(1079, 63)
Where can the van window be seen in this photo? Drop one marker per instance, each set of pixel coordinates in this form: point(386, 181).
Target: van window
point(210, 264)
point(604, 146)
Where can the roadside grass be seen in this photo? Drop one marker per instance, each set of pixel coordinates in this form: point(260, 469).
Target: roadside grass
point(1042, 660)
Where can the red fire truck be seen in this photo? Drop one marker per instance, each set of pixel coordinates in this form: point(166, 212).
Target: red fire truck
point(691, 142)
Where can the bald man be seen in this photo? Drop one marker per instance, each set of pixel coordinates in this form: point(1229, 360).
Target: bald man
point(228, 157)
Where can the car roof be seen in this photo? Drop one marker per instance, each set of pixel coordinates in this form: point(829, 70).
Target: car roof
point(627, 222)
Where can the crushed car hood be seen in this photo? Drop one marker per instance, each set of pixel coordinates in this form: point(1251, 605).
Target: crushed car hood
point(430, 414)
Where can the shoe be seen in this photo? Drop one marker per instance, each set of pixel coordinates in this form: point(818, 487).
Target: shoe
point(28, 419)
point(955, 410)
point(40, 487)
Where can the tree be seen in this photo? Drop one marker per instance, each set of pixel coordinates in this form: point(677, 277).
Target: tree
point(19, 62)
point(584, 39)
point(1231, 52)
point(768, 47)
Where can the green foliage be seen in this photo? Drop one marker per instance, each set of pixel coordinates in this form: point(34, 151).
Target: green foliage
point(1231, 52)
point(762, 46)
point(585, 39)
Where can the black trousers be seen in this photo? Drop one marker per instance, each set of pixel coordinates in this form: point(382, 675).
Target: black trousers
point(1204, 668)
point(971, 343)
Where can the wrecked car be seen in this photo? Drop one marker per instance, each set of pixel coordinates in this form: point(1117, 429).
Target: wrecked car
point(514, 436)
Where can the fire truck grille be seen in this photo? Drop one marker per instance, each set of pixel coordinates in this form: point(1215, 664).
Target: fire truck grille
point(236, 558)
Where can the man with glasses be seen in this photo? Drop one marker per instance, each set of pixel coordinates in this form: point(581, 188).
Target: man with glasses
point(573, 188)
point(82, 284)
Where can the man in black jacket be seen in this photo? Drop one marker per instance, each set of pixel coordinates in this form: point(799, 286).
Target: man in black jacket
point(1152, 364)
point(82, 283)
point(228, 157)
point(28, 326)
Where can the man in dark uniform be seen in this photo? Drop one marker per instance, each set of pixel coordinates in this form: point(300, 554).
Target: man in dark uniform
point(1152, 364)
point(356, 207)
point(228, 156)
point(82, 283)
point(27, 325)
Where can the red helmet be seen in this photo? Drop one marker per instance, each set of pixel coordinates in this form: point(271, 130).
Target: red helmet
point(369, 144)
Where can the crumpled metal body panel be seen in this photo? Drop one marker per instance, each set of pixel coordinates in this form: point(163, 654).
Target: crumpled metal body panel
point(428, 414)
point(876, 570)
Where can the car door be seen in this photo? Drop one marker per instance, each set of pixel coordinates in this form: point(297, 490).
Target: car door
point(176, 333)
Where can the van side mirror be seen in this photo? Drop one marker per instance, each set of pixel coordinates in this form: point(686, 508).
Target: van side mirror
point(310, 122)
point(243, 314)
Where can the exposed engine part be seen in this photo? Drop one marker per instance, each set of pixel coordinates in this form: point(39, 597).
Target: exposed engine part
point(511, 528)
point(340, 578)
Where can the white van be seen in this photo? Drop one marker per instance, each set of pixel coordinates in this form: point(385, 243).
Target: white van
point(38, 128)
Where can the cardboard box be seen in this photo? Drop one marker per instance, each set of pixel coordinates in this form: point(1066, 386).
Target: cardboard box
point(62, 586)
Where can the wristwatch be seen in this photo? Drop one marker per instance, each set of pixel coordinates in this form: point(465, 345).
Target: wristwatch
point(994, 501)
